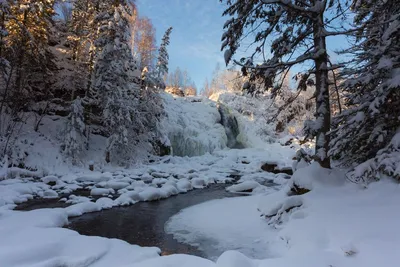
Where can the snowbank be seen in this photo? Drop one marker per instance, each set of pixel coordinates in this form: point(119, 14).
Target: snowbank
point(31, 239)
point(246, 186)
point(220, 225)
point(335, 226)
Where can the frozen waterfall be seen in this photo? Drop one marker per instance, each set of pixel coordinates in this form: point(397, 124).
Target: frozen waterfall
point(196, 126)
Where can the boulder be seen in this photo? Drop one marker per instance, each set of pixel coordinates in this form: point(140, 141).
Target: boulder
point(273, 167)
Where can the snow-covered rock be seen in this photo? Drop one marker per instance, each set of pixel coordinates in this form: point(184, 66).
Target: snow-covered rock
point(198, 183)
point(101, 191)
point(184, 185)
point(246, 186)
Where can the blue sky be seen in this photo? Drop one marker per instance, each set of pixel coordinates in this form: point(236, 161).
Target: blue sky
point(195, 40)
point(196, 37)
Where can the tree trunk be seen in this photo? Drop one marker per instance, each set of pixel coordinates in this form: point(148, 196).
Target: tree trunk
point(323, 111)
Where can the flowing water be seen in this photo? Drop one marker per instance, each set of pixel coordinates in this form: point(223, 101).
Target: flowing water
point(231, 126)
point(143, 223)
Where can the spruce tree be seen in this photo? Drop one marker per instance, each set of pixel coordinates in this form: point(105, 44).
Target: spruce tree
point(74, 141)
point(116, 82)
point(366, 131)
point(163, 57)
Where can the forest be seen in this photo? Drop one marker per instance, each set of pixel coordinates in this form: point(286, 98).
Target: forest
point(110, 107)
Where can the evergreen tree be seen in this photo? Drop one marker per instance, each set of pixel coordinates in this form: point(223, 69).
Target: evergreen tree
point(116, 82)
point(74, 141)
point(299, 30)
point(366, 130)
point(162, 61)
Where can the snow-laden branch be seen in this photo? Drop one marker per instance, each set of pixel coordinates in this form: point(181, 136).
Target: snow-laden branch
point(288, 4)
point(300, 59)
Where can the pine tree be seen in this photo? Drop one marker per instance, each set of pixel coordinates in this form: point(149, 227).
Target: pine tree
point(366, 131)
point(163, 57)
point(299, 30)
point(74, 141)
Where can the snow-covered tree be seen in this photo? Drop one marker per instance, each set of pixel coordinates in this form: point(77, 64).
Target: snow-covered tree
point(163, 57)
point(116, 82)
point(26, 47)
point(74, 141)
point(366, 130)
point(298, 31)
point(83, 33)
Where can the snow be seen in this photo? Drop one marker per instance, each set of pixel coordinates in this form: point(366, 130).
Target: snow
point(244, 186)
point(220, 225)
point(184, 185)
point(192, 127)
point(95, 177)
point(101, 191)
point(116, 185)
point(313, 176)
point(337, 223)
point(334, 226)
point(150, 193)
point(105, 203)
point(198, 183)
point(82, 208)
point(33, 240)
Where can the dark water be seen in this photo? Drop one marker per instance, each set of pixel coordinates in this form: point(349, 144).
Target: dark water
point(48, 203)
point(143, 222)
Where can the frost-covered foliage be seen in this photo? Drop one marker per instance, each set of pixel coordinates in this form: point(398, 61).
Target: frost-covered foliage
point(299, 30)
point(385, 163)
point(151, 110)
point(293, 109)
point(116, 83)
point(366, 130)
point(74, 141)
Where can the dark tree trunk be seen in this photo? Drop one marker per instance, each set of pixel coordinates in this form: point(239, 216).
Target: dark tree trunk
point(323, 113)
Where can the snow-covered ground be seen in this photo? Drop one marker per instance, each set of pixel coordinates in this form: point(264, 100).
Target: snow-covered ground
point(336, 224)
point(220, 225)
point(169, 176)
point(38, 231)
